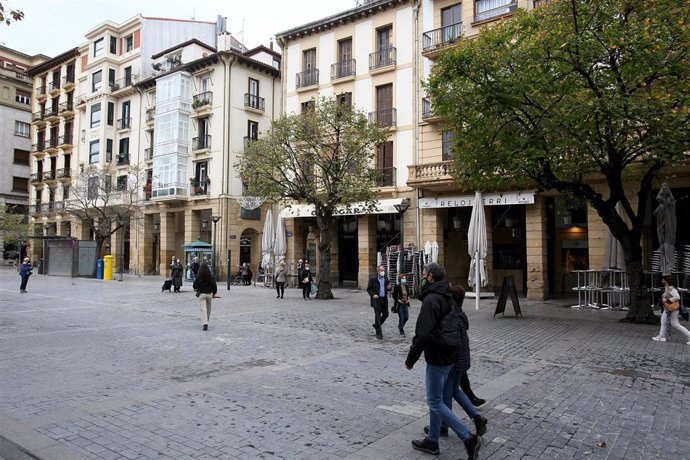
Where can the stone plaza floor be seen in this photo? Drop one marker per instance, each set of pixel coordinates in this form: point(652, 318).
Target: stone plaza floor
point(119, 370)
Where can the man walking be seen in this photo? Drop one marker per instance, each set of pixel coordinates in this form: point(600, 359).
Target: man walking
point(25, 272)
point(436, 303)
point(378, 288)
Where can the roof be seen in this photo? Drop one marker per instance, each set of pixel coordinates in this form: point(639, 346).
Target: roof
point(261, 48)
point(56, 61)
point(369, 8)
point(177, 20)
point(182, 45)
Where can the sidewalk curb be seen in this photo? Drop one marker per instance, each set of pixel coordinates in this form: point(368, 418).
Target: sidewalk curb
point(19, 441)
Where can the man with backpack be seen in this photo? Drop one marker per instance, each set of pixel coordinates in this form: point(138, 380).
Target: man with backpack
point(438, 340)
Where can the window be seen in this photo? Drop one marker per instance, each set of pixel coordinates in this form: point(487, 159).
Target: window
point(310, 74)
point(113, 45)
point(108, 150)
point(385, 113)
point(487, 9)
point(23, 97)
point(111, 79)
point(92, 192)
point(124, 150)
point(121, 183)
point(96, 81)
point(345, 99)
point(65, 192)
point(21, 157)
point(253, 88)
point(447, 145)
point(98, 47)
point(22, 129)
point(309, 60)
point(94, 151)
point(126, 114)
point(205, 84)
point(345, 66)
point(96, 115)
point(252, 130)
point(384, 165)
point(307, 106)
point(383, 37)
point(110, 118)
point(108, 186)
point(128, 76)
point(20, 184)
point(129, 43)
point(451, 23)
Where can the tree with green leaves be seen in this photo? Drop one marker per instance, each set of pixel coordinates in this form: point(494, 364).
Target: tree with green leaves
point(106, 200)
point(324, 157)
point(570, 94)
point(14, 228)
point(7, 15)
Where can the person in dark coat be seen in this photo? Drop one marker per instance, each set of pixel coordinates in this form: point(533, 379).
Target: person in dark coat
point(401, 302)
point(436, 303)
point(206, 289)
point(194, 267)
point(378, 288)
point(25, 271)
point(306, 278)
point(176, 270)
point(453, 388)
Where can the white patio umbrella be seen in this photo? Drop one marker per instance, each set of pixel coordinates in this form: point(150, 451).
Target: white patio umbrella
point(666, 228)
point(477, 245)
point(280, 244)
point(613, 252)
point(427, 252)
point(267, 239)
point(434, 251)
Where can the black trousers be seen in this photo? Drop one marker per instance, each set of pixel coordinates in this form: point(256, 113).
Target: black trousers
point(280, 288)
point(22, 286)
point(465, 385)
point(306, 290)
point(380, 312)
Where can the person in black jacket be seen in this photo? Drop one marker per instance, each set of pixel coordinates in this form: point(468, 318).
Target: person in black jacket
point(436, 303)
point(206, 289)
point(453, 388)
point(307, 279)
point(378, 288)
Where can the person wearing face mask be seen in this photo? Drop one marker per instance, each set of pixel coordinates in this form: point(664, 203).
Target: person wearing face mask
point(378, 288)
point(401, 302)
point(306, 282)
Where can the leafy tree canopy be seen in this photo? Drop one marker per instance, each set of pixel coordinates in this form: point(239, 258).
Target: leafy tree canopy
point(7, 15)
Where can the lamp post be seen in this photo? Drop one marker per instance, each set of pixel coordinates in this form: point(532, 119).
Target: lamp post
point(215, 220)
point(401, 208)
point(123, 221)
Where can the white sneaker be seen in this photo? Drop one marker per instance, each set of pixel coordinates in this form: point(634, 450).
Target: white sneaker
point(689, 342)
point(659, 338)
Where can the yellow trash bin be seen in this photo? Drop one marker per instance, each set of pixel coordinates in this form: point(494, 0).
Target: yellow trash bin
point(107, 268)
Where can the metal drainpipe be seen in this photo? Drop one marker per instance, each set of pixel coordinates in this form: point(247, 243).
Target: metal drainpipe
point(418, 211)
point(227, 148)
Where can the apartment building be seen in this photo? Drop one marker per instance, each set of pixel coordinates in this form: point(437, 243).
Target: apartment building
point(15, 133)
point(140, 93)
point(364, 56)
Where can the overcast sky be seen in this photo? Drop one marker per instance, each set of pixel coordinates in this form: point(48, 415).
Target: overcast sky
point(51, 27)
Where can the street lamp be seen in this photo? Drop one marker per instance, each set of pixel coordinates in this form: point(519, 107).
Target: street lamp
point(215, 220)
point(401, 208)
point(123, 221)
point(204, 223)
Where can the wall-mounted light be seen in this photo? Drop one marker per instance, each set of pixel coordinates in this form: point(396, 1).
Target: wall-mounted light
point(156, 227)
point(204, 223)
point(457, 223)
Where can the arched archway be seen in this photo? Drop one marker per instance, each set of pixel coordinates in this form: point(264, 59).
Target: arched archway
point(248, 242)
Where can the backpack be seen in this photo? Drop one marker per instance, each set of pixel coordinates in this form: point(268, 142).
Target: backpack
point(447, 335)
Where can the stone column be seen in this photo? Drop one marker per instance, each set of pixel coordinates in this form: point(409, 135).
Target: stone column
point(536, 241)
point(167, 242)
point(366, 235)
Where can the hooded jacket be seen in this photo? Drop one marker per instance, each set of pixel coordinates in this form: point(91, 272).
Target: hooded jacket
point(436, 303)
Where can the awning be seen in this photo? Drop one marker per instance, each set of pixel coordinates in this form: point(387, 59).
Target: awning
point(490, 199)
point(354, 209)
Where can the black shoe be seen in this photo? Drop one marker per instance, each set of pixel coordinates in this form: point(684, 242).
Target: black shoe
point(427, 446)
point(277, 297)
point(443, 433)
point(205, 327)
point(477, 402)
point(281, 297)
point(472, 444)
point(379, 335)
point(480, 424)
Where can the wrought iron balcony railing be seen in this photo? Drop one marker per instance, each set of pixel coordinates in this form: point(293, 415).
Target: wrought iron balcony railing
point(384, 57)
point(253, 101)
point(307, 78)
point(122, 159)
point(202, 99)
point(386, 177)
point(437, 38)
point(385, 117)
point(342, 69)
point(124, 123)
point(201, 142)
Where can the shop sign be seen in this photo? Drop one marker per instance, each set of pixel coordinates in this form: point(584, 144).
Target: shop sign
point(354, 209)
point(490, 199)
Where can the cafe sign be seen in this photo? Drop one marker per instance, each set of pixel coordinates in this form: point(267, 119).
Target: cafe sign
point(490, 199)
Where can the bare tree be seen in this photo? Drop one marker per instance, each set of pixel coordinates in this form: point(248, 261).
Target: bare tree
point(106, 200)
point(7, 15)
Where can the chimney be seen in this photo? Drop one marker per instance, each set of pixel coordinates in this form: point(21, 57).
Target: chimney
point(271, 44)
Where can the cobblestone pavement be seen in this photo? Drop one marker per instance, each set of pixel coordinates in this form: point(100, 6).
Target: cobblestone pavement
point(119, 370)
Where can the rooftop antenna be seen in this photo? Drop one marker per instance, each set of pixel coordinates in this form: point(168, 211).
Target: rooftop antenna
point(194, 14)
point(242, 31)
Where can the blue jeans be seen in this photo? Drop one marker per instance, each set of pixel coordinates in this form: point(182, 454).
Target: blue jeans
point(452, 391)
point(403, 316)
point(436, 378)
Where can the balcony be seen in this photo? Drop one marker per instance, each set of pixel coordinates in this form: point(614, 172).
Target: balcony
point(38, 118)
point(201, 143)
point(38, 148)
point(66, 109)
point(385, 117)
point(37, 209)
point(49, 208)
point(343, 69)
point(48, 176)
point(248, 140)
point(307, 78)
point(437, 39)
point(122, 159)
point(431, 176)
point(198, 188)
point(485, 10)
point(202, 101)
point(254, 102)
point(124, 123)
point(51, 114)
point(383, 59)
point(41, 93)
point(65, 141)
point(428, 112)
point(52, 145)
point(54, 88)
point(148, 154)
point(63, 173)
point(124, 86)
point(36, 178)
point(68, 82)
point(150, 115)
point(386, 177)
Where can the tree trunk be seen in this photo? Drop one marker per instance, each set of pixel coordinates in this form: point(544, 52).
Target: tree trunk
point(640, 309)
point(99, 246)
point(325, 223)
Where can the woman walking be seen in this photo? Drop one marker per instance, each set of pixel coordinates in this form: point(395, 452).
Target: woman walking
point(401, 303)
point(306, 282)
point(206, 289)
point(281, 278)
point(670, 299)
point(176, 274)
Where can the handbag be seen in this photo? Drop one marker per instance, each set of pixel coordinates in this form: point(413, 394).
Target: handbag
point(672, 306)
point(305, 280)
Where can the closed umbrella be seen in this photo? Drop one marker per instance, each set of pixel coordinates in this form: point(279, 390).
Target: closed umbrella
point(666, 228)
point(434, 251)
point(280, 244)
point(267, 240)
point(477, 246)
point(613, 253)
point(427, 251)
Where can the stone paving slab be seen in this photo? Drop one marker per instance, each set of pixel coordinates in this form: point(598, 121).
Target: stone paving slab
point(119, 370)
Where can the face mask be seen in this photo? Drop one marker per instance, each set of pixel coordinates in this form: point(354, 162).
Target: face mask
point(382, 273)
point(403, 281)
